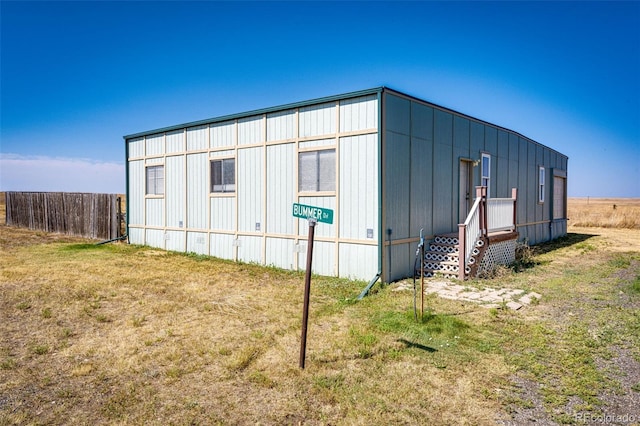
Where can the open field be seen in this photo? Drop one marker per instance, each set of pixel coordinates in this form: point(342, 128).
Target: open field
point(120, 334)
point(604, 212)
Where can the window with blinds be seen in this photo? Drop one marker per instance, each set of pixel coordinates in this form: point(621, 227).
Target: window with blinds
point(155, 180)
point(317, 171)
point(223, 175)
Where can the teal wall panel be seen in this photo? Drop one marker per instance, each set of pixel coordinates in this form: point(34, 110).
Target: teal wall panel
point(443, 127)
point(476, 143)
point(421, 121)
point(421, 202)
point(421, 161)
point(502, 178)
point(398, 115)
point(490, 139)
point(461, 134)
point(503, 145)
point(443, 216)
point(513, 146)
point(397, 183)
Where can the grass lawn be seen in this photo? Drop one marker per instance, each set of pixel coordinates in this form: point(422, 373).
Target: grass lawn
point(121, 334)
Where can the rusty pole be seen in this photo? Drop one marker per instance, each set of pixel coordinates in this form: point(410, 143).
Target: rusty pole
point(422, 282)
point(307, 290)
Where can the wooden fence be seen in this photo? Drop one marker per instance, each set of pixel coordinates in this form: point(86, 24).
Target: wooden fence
point(87, 215)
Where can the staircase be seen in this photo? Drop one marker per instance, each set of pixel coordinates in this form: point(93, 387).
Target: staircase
point(441, 258)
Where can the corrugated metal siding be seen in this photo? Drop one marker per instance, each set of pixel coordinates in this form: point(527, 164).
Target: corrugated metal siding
point(502, 178)
point(280, 188)
point(250, 130)
point(280, 253)
point(317, 143)
point(424, 146)
point(197, 191)
point(154, 145)
point(422, 121)
point(421, 200)
point(358, 261)
point(281, 125)
point(323, 258)
point(461, 135)
point(154, 212)
point(136, 235)
point(317, 120)
point(175, 191)
point(197, 242)
point(445, 213)
point(223, 213)
point(250, 249)
point(401, 259)
point(136, 147)
point(175, 241)
point(224, 153)
point(322, 229)
point(135, 210)
point(249, 171)
point(197, 138)
point(476, 143)
point(397, 181)
point(398, 115)
point(359, 113)
point(222, 134)
point(359, 187)
point(521, 184)
point(175, 141)
point(221, 246)
point(154, 238)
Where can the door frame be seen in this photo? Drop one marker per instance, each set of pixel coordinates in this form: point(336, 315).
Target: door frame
point(465, 188)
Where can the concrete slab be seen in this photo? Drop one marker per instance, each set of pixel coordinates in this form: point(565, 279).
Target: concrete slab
point(488, 297)
point(514, 305)
point(471, 295)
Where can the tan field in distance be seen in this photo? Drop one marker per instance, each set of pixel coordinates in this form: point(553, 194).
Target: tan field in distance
point(587, 212)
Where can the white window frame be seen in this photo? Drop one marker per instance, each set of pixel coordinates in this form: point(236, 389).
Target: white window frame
point(304, 185)
point(485, 178)
point(541, 184)
point(154, 179)
point(225, 186)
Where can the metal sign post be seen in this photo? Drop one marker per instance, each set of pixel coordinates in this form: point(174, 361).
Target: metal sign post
point(314, 215)
point(307, 290)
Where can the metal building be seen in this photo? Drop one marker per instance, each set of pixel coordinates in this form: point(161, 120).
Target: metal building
point(386, 163)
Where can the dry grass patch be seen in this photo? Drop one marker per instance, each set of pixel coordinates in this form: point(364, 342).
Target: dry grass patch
point(125, 334)
point(604, 212)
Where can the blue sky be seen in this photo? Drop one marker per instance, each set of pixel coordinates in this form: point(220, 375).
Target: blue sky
point(77, 76)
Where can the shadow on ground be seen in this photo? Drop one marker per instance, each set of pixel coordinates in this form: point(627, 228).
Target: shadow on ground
point(567, 241)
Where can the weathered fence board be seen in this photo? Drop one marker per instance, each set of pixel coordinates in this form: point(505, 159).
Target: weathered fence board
point(87, 215)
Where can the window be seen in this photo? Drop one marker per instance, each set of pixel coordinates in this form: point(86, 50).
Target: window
point(155, 180)
point(540, 184)
point(486, 171)
point(317, 171)
point(223, 175)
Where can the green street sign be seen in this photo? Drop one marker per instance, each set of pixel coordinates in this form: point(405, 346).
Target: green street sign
point(310, 212)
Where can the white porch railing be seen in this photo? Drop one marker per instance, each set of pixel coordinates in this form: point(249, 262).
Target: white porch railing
point(486, 215)
point(468, 233)
point(500, 214)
